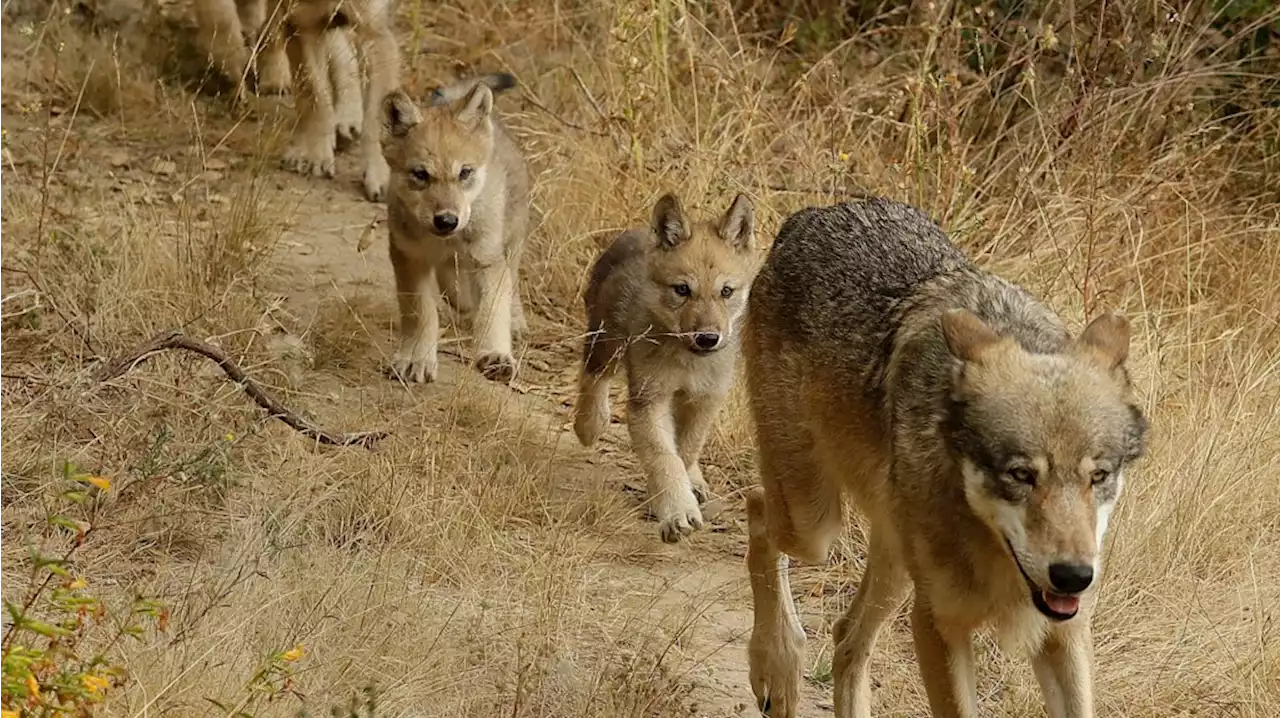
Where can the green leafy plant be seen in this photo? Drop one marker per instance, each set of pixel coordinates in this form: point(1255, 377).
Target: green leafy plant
point(60, 645)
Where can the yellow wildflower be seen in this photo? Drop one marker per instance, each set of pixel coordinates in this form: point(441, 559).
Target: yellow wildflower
point(229, 437)
point(9, 714)
point(292, 654)
point(93, 684)
point(78, 583)
point(99, 481)
point(33, 687)
point(844, 156)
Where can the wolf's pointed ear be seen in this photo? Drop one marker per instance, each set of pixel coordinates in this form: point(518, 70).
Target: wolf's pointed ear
point(738, 227)
point(1106, 340)
point(476, 106)
point(966, 335)
point(669, 223)
point(399, 113)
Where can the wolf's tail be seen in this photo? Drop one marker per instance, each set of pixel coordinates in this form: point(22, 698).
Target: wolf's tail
point(446, 94)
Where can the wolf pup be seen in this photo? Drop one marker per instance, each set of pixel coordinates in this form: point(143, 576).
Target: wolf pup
point(666, 303)
point(458, 211)
point(985, 444)
point(321, 59)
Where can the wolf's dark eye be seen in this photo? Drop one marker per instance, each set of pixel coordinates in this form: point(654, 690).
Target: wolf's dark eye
point(421, 174)
point(726, 292)
point(465, 173)
point(1022, 475)
point(681, 290)
point(1099, 476)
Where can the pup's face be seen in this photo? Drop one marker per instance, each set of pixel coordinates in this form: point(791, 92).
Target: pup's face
point(700, 274)
point(1042, 442)
point(439, 157)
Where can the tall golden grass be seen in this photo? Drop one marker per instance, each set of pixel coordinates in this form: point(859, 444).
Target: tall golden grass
point(1110, 155)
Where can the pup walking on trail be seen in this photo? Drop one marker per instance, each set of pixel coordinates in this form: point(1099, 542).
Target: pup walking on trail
point(457, 212)
point(665, 302)
point(316, 38)
point(984, 443)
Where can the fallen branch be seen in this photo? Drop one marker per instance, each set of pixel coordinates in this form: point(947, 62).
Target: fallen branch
point(177, 340)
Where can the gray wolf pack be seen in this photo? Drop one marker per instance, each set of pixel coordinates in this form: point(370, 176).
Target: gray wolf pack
point(984, 444)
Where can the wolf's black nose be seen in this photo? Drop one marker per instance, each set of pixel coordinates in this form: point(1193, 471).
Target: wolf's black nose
point(445, 222)
point(1070, 577)
point(706, 340)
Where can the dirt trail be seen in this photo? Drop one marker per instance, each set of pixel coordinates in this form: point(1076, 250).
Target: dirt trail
point(704, 579)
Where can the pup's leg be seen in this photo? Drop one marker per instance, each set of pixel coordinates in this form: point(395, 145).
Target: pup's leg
point(344, 72)
point(651, 423)
point(221, 35)
point(460, 289)
point(312, 150)
point(382, 60)
point(695, 416)
point(493, 323)
point(599, 366)
point(417, 293)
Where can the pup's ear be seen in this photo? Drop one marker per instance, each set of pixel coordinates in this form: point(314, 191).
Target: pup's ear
point(738, 226)
point(476, 106)
point(399, 113)
point(1106, 340)
point(967, 336)
point(669, 222)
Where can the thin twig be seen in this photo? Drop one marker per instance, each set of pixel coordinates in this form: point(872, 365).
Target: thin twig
point(176, 340)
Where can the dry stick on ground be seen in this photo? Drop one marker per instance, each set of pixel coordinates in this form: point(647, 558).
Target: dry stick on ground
point(176, 340)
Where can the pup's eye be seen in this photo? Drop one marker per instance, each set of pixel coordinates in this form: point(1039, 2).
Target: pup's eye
point(465, 173)
point(421, 174)
point(1022, 475)
point(681, 290)
point(726, 292)
point(1099, 476)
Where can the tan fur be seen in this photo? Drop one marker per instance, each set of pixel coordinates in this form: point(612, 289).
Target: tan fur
point(315, 37)
point(458, 213)
point(656, 300)
point(984, 445)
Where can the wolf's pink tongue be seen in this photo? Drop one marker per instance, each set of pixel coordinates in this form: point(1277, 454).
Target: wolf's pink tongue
point(1065, 605)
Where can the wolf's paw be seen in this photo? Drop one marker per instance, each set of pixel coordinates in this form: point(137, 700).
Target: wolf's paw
point(497, 367)
point(376, 176)
point(418, 368)
point(348, 121)
point(774, 673)
point(311, 156)
point(701, 491)
point(678, 515)
point(589, 423)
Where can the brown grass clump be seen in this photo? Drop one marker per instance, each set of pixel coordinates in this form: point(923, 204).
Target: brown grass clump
point(480, 563)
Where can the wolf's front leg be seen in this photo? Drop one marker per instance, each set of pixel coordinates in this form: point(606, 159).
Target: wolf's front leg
point(946, 663)
point(312, 150)
point(652, 427)
point(382, 60)
point(344, 73)
point(1063, 668)
point(416, 358)
point(695, 416)
point(493, 323)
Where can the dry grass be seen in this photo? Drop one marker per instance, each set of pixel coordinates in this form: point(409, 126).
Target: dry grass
point(479, 563)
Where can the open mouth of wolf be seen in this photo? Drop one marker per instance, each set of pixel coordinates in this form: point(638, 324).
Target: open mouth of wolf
point(1055, 606)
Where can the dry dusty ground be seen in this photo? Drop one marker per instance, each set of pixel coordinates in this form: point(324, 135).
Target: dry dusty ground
point(479, 562)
